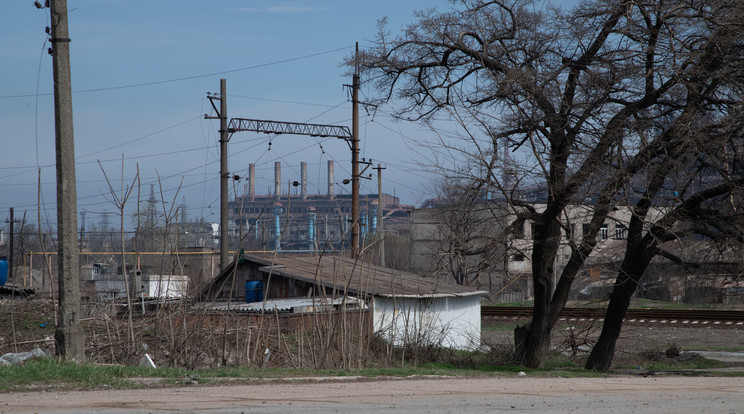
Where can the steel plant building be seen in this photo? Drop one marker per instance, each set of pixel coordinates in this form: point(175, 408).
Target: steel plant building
point(281, 221)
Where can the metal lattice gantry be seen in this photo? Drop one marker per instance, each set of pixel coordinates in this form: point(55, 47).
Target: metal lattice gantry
point(351, 136)
point(295, 128)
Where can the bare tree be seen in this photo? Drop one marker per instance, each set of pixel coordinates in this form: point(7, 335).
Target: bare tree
point(706, 204)
point(581, 98)
point(120, 201)
point(470, 234)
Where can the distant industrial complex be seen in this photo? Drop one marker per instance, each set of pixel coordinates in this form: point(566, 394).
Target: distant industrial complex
point(283, 221)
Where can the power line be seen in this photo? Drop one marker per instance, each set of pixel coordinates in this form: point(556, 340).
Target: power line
point(134, 157)
point(284, 101)
point(185, 78)
point(139, 138)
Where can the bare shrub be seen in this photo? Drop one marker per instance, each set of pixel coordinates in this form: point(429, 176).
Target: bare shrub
point(672, 351)
point(578, 339)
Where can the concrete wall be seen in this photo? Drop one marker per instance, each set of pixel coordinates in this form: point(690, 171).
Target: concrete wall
point(426, 240)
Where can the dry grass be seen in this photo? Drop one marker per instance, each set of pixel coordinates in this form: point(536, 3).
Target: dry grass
point(185, 336)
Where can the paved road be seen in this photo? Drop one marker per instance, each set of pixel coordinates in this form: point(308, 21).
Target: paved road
point(678, 395)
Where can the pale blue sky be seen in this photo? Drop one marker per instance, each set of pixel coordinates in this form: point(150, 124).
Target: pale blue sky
point(129, 58)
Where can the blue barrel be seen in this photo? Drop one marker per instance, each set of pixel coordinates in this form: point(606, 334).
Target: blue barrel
point(3, 270)
point(253, 291)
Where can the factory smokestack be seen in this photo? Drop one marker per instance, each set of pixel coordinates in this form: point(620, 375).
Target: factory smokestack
point(277, 179)
point(303, 175)
point(330, 179)
point(251, 182)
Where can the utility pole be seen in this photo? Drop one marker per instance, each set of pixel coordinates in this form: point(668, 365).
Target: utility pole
point(224, 174)
point(81, 241)
point(355, 158)
point(69, 335)
point(380, 206)
point(224, 239)
point(82, 229)
point(11, 253)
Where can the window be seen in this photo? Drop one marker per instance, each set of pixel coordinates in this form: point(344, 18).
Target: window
point(604, 232)
point(519, 257)
point(519, 231)
point(621, 232)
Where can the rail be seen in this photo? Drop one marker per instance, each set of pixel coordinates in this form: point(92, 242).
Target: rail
point(677, 314)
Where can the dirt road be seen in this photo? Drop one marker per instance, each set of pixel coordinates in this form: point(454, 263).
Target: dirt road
point(678, 395)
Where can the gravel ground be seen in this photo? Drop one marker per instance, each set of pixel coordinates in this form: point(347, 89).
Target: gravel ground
point(637, 394)
point(635, 337)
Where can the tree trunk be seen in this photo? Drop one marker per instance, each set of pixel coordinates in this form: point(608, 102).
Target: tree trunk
point(532, 340)
point(637, 258)
point(532, 343)
point(604, 350)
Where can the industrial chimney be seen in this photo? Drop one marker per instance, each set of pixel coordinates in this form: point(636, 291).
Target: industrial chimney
point(277, 179)
point(303, 175)
point(251, 182)
point(330, 179)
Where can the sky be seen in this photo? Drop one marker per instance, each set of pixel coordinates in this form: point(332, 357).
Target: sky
point(141, 71)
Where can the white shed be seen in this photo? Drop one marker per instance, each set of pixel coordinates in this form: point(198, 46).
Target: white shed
point(406, 308)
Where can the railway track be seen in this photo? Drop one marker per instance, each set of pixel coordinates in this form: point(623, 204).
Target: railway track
point(649, 315)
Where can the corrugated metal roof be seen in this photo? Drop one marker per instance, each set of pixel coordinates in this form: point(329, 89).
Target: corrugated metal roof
point(293, 305)
point(440, 295)
point(357, 277)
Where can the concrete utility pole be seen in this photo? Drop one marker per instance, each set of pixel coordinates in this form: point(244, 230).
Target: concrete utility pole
point(11, 247)
point(82, 229)
point(380, 206)
point(224, 239)
point(68, 335)
point(224, 174)
point(355, 157)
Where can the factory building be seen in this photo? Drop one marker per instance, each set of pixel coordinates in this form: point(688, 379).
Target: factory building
point(309, 222)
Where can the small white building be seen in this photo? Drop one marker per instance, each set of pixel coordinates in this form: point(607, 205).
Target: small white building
point(165, 286)
point(111, 285)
